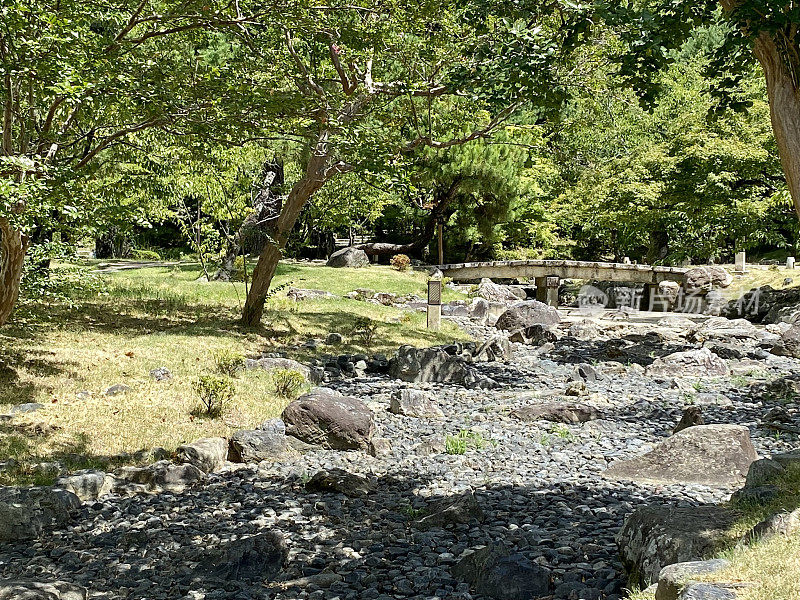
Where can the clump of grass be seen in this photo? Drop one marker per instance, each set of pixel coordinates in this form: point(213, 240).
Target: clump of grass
point(287, 383)
point(229, 363)
point(466, 439)
point(561, 431)
point(215, 392)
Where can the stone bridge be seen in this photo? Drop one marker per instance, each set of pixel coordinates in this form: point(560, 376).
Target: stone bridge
point(547, 274)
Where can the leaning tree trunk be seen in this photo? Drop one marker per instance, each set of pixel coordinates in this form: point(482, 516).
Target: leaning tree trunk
point(317, 173)
point(784, 108)
point(13, 245)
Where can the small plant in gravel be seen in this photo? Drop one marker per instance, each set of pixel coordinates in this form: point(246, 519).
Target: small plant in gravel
point(215, 391)
point(466, 439)
point(400, 262)
point(287, 383)
point(562, 431)
point(229, 363)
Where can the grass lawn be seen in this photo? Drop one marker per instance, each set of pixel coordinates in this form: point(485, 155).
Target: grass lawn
point(66, 353)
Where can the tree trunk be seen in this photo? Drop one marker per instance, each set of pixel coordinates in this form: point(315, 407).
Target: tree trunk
point(784, 108)
point(317, 173)
point(439, 213)
point(13, 246)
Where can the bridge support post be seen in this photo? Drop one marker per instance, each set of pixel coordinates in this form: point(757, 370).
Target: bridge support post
point(547, 289)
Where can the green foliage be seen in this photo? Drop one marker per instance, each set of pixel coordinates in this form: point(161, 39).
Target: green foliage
point(228, 362)
point(215, 392)
point(466, 439)
point(401, 262)
point(365, 330)
point(142, 254)
point(287, 383)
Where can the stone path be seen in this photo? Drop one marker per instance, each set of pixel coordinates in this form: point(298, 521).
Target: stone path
point(539, 485)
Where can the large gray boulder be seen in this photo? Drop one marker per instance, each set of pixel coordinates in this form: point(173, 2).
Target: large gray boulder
point(526, 314)
point(207, 454)
point(491, 571)
point(27, 513)
point(258, 557)
point(691, 363)
point(789, 343)
point(717, 455)
point(497, 348)
point(701, 280)
point(348, 257)
point(414, 403)
point(427, 365)
point(37, 590)
point(708, 591)
point(326, 418)
point(268, 442)
point(452, 510)
point(654, 537)
point(162, 476)
point(87, 485)
point(494, 292)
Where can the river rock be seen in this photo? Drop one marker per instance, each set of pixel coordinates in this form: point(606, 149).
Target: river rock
point(494, 292)
point(691, 363)
point(340, 481)
point(789, 343)
point(27, 513)
point(557, 412)
point(451, 511)
point(158, 477)
point(491, 571)
point(259, 557)
point(705, 454)
point(692, 416)
point(414, 403)
point(88, 484)
point(36, 590)
point(207, 454)
point(700, 280)
point(255, 445)
point(427, 365)
point(349, 258)
point(326, 418)
point(654, 537)
point(673, 578)
point(497, 348)
point(526, 314)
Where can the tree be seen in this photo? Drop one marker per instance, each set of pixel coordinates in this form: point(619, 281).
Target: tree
point(78, 79)
point(765, 31)
point(370, 81)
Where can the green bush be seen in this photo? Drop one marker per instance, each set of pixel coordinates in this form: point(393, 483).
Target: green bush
point(364, 330)
point(287, 383)
point(215, 391)
point(401, 262)
point(228, 362)
point(144, 254)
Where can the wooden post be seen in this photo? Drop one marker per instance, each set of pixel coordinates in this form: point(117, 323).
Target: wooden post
point(440, 228)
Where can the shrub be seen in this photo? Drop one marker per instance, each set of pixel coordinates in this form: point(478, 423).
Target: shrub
point(364, 330)
point(287, 383)
point(143, 254)
point(215, 391)
point(228, 362)
point(401, 262)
